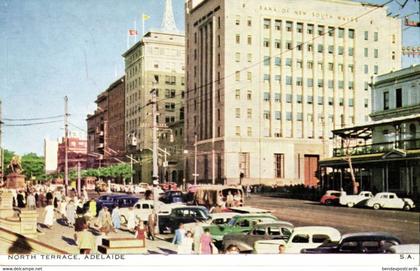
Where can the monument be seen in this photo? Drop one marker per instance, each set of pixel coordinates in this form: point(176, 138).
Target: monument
point(15, 180)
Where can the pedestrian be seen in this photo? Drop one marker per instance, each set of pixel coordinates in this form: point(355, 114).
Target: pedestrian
point(48, 196)
point(186, 246)
point(151, 225)
point(237, 199)
point(179, 235)
point(206, 242)
point(282, 248)
point(79, 224)
point(86, 241)
point(140, 231)
point(100, 217)
point(116, 218)
point(229, 199)
point(37, 203)
point(198, 232)
point(131, 219)
point(62, 209)
point(106, 220)
point(70, 213)
point(248, 191)
point(20, 197)
point(49, 215)
point(31, 201)
point(92, 208)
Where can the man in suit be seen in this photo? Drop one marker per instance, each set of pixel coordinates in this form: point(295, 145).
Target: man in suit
point(151, 225)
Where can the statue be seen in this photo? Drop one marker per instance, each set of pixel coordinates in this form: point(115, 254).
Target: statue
point(15, 165)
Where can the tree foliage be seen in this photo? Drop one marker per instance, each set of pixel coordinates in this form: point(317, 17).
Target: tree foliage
point(32, 164)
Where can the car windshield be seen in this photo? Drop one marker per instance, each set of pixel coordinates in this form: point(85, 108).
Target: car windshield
point(232, 222)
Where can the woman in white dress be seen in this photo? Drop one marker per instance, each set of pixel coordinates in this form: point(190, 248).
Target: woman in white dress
point(49, 215)
point(186, 246)
point(131, 220)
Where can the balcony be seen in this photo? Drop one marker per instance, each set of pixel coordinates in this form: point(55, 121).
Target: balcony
point(383, 147)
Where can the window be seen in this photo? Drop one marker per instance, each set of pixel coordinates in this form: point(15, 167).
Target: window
point(320, 66)
point(375, 53)
point(299, 27)
point(351, 102)
point(289, 26)
point(249, 22)
point(320, 48)
point(310, 99)
point(340, 33)
point(299, 99)
point(340, 84)
point(249, 40)
point(366, 86)
point(301, 238)
point(310, 65)
point(267, 23)
point(299, 64)
point(366, 103)
point(351, 51)
point(351, 68)
point(238, 130)
point(289, 116)
point(238, 94)
point(331, 49)
point(289, 45)
point(398, 97)
point(277, 115)
point(266, 61)
point(351, 85)
point(277, 61)
point(299, 46)
point(238, 20)
point(366, 35)
point(170, 80)
point(277, 24)
point(375, 36)
point(330, 101)
point(277, 78)
point(310, 82)
point(330, 66)
point(310, 47)
point(321, 30)
point(249, 95)
point(266, 96)
point(320, 83)
point(288, 80)
point(249, 57)
point(249, 113)
point(330, 84)
point(366, 67)
point(170, 93)
point(366, 52)
point(266, 114)
point(277, 97)
point(249, 131)
point(340, 50)
point(351, 33)
point(288, 62)
point(279, 160)
point(266, 78)
point(170, 107)
point(289, 98)
point(237, 113)
point(320, 100)
point(299, 116)
point(237, 57)
point(266, 43)
point(237, 75)
point(238, 39)
point(341, 102)
point(310, 29)
point(331, 31)
point(277, 44)
point(375, 69)
point(341, 67)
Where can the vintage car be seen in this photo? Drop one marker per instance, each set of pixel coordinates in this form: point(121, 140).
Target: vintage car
point(301, 237)
point(405, 249)
point(215, 195)
point(239, 223)
point(355, 200)
point(365, 242)
point(171, 197)
point(390, 200)
point(249, 210)
point(331, 197)
point(143, 208)
point(112, 200)
point(278, 230)
point(182, 214)
point(214, 219)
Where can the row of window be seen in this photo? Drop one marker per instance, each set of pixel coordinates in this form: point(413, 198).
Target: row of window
point(277, 115)
point(309, 99)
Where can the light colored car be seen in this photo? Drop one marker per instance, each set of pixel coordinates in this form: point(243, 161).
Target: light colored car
point(353, 200)
point(405, 249)
point(249, 210)
point(391, 201)
point(301, 238)
point(215, 219)
point(143, 208)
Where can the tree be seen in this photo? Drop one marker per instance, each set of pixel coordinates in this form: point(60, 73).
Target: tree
point(33, 166)
point(348, 153)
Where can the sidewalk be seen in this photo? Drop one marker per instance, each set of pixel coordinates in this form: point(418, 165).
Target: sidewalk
point(61, 237)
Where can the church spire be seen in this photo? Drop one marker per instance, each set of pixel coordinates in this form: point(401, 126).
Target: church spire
point(168, 22)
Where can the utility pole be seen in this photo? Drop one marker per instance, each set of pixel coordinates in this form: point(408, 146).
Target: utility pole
point(155, 176)
point(131, 167)
point(1, 144)
point(66, 134)
point(165, 164)
point(79, 182)
point(195, 159)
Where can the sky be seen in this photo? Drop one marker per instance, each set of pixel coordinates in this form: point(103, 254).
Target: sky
point(50, 49)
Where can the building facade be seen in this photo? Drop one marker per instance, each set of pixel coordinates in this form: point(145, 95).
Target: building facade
point(268, 80)
point(386, 152)
point(76, 153)
point(106, 141)
point(50, 155)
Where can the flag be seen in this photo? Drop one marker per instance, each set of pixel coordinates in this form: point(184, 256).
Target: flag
point(132, 32)
point(146, 17)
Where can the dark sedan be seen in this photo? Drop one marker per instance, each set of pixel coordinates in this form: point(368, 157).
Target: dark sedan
point(365, 242)
point(278, 230)
point(172, 197)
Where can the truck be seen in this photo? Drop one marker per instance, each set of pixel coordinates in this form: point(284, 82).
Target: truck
point(354, 200)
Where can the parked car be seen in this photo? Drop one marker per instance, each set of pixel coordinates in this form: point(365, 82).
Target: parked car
point(365, 242)
point(301, 237)
point(278, 230)
point(182, 214)
point(214, 219)
point(249, 210)
point(111, 200)
point(238, 224)
point(215, 195)
point(331, 197)
point(390, 200)
point(354, 200)
point(405, 249)
point(143, 208)
point(171, 197)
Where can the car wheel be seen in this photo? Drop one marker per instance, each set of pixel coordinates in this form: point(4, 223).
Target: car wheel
point(407, 207)
point(350, 204)
point(376, 206)
point(328, 202)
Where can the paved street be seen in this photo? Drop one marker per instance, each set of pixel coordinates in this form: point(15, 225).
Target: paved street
point(404, 225)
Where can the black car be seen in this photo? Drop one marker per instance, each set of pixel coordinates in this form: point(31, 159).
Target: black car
point(182, 214)
point(172, 197)
point(112, 200)
point(365, 242)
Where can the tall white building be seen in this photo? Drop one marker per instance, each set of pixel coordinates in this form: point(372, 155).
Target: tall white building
point(50, 155)
point(268, 80)
point(156, 61)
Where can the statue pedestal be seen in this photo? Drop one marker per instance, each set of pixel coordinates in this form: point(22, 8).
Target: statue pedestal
point(15, 181)
point(6, 204)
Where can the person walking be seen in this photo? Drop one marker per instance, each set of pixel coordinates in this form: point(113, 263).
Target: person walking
point(92, 208)
point(79, 224)
point(20, 197)
point(31, 201)
point(140, 231)
point(49, 215)
point(198, 232)
point(179, 236)
point(116, 218)
point(86, 241)
point(63, 208)
point(206, 242)
point(151, 225)
point(106, 220)
point(70, 213)
point(186, 246)
point(229, 199)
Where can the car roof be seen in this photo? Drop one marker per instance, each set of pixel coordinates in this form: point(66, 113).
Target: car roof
point(255, 215)
point(332, 191)
point(250, 210)
point(384, 193)
point(275, 223)
point(189, 207)
point(374, 236)
point(223, 215)
point(311, 229)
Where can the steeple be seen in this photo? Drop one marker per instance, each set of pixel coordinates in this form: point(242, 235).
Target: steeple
point(168, 22)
